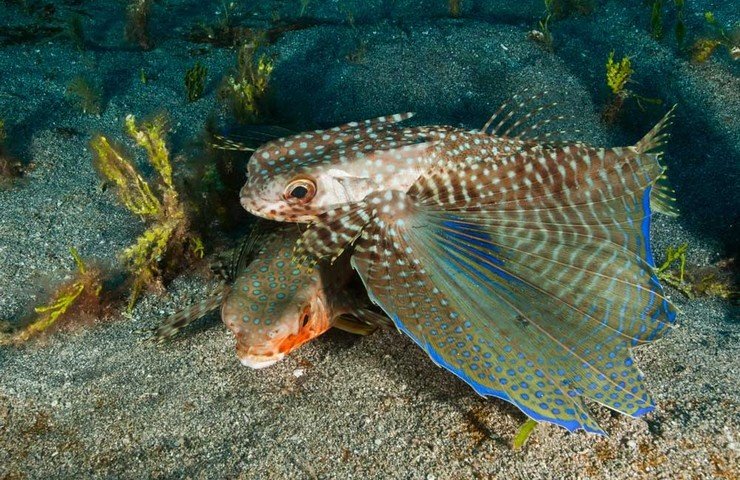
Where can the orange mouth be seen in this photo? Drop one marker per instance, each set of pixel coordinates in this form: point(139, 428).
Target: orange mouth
point(308, 330)
point(313, 322)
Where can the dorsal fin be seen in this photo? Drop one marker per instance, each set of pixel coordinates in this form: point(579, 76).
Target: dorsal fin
point(250, 247)
point(508, 109)
point(654, 140)
point(372, 124)
point(520, 118)
point(220, 142)
point(249, 139)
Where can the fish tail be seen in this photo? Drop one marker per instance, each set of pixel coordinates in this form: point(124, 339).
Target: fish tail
point(179, 320)
point(662, 195)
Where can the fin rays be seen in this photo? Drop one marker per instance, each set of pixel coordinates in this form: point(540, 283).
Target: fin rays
point(481, 258)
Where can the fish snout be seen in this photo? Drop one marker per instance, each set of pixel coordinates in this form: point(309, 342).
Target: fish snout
point(257, 361)
point(246, 199)
point(257, 355)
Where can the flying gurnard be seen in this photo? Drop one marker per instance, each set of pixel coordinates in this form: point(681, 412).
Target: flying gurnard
point(273, 307)
point(520, 264)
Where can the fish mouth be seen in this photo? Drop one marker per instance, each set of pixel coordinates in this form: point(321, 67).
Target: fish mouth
point(257, 356)
point(274, 209)
point(257, 362)
point(247, 201)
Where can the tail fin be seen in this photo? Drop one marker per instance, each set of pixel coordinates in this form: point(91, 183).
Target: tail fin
point(176, 322)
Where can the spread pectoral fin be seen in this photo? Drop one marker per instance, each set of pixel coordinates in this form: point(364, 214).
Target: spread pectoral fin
point(535, 316)
point(530, 278)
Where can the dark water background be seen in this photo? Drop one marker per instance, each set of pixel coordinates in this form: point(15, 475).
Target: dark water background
point(343, 60)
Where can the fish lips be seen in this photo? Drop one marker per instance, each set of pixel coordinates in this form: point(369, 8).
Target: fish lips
point(257, 362)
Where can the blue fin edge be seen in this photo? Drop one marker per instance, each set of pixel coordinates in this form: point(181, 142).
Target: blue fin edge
point(485, 391)
point(645, 227)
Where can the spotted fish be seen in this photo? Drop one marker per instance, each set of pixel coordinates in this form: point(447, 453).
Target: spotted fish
point(300, 176)
point(273, 307)
point(522, 266)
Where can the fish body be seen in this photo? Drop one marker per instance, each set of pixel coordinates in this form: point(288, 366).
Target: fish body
point(297, 177)
point(523, 267)
point(273, 306)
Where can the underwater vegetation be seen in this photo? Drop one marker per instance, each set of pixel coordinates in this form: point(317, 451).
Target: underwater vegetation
point(217, 181)
point(455, 7)
point(705, 47)
point(75, 32)
point(195, 81)
point(556, 10)
point(86, 95)
point(31, 33)
point(79, 296)
point(564, 8)
point(521, 437)
point(225, 31)
point(137, 23)
point(657, 22)
point(618, 76)
point(246, 89)
point(168, 241)
point(542, 34)
point(715, 280)
point(9, 167)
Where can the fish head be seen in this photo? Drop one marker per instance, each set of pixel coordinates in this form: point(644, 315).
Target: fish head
point(283, 191)
point(271, 338)
point(274, 306)
point(297, 178)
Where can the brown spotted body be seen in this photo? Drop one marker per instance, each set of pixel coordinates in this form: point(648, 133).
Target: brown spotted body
point(295, 178)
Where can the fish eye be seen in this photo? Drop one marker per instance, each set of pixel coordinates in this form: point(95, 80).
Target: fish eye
point(299, 192)
point(302, 189)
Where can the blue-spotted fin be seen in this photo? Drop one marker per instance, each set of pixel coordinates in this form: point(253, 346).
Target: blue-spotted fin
point(522, 266)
